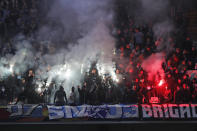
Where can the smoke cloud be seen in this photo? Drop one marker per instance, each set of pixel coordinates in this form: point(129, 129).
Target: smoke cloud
point(76, 34)
point(158, 12)
point(69, 20)
point(153, 66)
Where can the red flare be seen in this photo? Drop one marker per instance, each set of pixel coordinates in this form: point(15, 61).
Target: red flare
point(176, 71)
point(161, 83)
point(169, 75)
point(184, 86)
point(148, 49)
point(130, 70)
point(184, 77)
point(136, 80)
point(179, 81)
point(148, 87)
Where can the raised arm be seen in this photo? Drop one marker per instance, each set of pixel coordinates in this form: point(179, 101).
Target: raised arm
point(65, 97)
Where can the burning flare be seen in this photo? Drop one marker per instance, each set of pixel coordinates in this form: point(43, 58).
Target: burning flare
point(161, 82)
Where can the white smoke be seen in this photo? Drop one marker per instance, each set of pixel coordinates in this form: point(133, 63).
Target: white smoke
point(73, 19)
point(68, 66)
point(79, 33)
point(19, 62)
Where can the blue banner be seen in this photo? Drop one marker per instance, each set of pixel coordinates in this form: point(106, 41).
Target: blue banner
point(101, 111)
point(25, 110)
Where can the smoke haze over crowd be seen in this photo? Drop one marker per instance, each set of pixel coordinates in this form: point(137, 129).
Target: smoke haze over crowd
point(85, 27)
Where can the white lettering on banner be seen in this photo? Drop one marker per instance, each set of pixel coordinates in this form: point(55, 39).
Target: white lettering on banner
point(21, 110)
point(135, 111)
point(174, 113)
point(103, 111)
point(68, 112)
point(56, 112)
point(165, 110)
point(185, 109)
point(147, 111)
point(168, 111)
point(157, 109)
point(194, 114)
point(76, 111)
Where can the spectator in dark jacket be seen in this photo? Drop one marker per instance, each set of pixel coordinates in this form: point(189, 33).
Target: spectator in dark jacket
point(139, 38)
point(60, 98)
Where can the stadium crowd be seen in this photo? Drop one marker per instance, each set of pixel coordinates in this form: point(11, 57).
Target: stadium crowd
point(136, 42)
point(20, 16)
